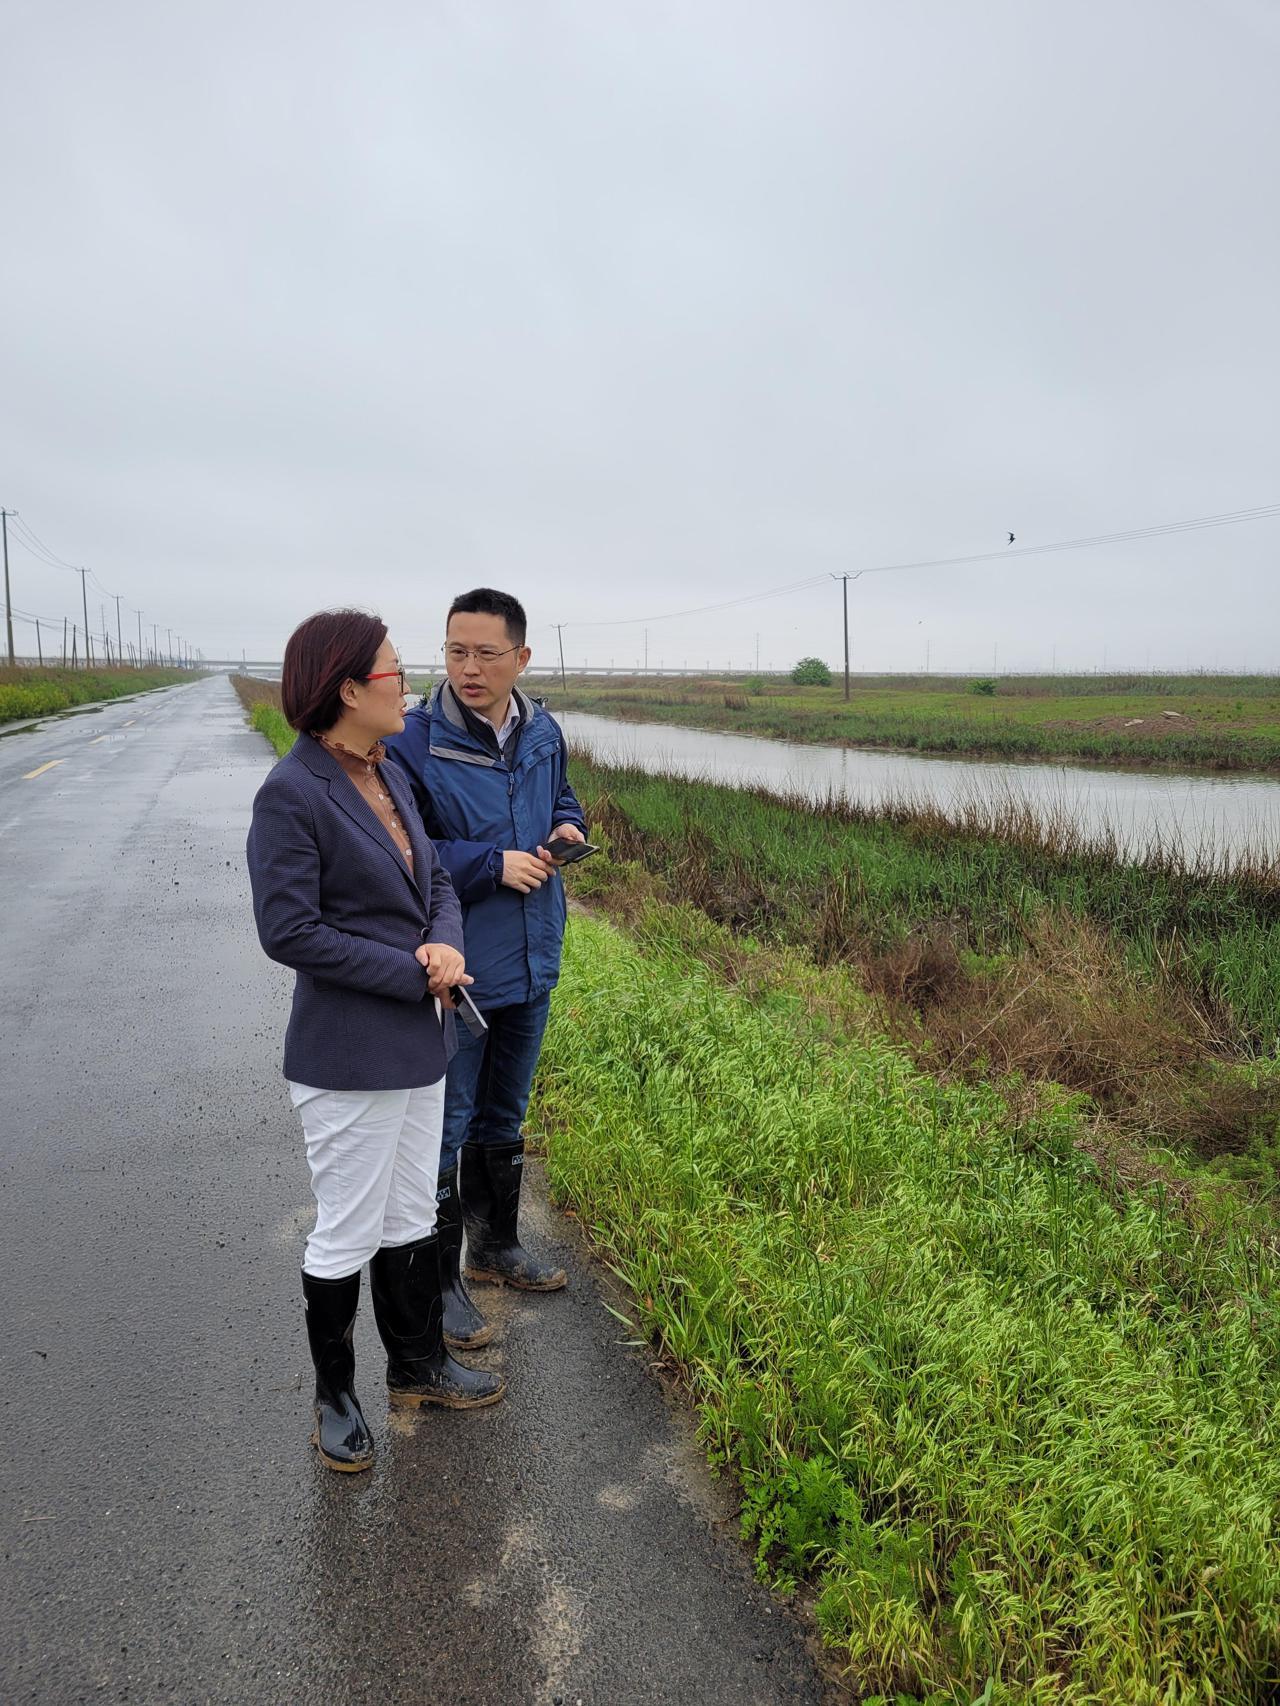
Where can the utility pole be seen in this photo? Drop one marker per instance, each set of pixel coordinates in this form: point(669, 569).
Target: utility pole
point(138, 659)
point(64, 642)
point(8, 608)
point(119, 638)
point(155, 653)
point(168, 635)
point(559, 628)
point(84, 599)
point(39, 647)
point(646, 651)
point(846, 578)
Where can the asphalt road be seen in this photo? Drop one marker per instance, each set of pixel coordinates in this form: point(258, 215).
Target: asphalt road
point(166, 1532)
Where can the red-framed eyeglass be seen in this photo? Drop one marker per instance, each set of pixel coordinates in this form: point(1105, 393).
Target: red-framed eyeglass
point(386, 674)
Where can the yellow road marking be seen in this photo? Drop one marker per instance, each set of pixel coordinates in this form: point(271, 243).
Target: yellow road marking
point(95, 742)
point(32, 774)
point(129, 724)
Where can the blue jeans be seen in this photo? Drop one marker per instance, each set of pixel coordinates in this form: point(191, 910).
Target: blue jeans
point(488, 1082)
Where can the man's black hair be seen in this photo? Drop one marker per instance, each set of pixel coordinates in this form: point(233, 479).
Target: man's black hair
point(484, 601)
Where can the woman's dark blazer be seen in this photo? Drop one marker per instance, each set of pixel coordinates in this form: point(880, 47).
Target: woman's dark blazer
point(335, 900)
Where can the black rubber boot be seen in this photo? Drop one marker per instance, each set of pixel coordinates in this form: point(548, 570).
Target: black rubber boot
point(342, 1436)
point(490, 1178)
point(405, 1282)
point(465, 1328)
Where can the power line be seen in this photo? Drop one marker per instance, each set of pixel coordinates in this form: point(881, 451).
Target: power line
point(37, 546)
point(33, 616)
point(700, 610)
point(25, 535)
point(1228, 518)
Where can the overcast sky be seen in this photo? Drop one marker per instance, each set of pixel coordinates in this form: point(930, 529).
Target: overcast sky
point(635, 308)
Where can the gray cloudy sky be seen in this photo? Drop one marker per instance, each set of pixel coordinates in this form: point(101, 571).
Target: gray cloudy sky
point(634, 308)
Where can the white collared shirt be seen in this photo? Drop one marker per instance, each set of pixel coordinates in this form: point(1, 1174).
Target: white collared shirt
point(513, 717)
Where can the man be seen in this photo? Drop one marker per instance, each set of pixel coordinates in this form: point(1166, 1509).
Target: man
point(489, 770)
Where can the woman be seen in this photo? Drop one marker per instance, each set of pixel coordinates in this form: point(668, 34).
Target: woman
point(347, 890)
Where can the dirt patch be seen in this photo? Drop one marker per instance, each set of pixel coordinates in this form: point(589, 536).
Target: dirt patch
point(1151, 727)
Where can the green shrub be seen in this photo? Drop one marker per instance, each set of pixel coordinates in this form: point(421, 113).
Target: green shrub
point(984, 687)
point(811, 672)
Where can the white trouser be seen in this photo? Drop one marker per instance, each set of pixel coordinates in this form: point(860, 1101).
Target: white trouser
point(374, 1156)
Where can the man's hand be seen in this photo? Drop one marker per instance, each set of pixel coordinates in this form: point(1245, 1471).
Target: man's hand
point(444, 966)
point(526, 871)
point(564, 832)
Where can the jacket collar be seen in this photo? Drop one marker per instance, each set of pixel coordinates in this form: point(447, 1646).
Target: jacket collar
point(479, 733)
point(455, 712)
point(345, 795)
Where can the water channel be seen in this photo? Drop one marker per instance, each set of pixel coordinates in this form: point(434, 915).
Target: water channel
point(1222, 818)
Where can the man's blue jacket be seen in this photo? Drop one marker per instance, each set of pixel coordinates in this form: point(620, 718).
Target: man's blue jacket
point(475, 805)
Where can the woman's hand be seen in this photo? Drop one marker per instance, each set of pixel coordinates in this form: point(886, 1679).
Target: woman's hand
point(445, 967)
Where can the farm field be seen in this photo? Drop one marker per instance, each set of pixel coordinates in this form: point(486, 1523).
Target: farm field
point(1184, 722)
point(939, 1162)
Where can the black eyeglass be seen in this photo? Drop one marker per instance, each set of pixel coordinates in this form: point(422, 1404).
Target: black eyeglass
point(455, 653)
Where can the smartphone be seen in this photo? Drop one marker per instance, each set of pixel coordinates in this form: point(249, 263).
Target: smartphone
point(569, 852)
point(468, 1012)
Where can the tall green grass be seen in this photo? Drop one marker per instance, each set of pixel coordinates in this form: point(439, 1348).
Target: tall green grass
point(269, 720)
point(841, 878)
point(1019, 1435)
point(40, 693)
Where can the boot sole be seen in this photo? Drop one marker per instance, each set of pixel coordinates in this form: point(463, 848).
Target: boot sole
point(333, 1463)
point(475, 1343)
point(490, 1276)
point(414, 1400)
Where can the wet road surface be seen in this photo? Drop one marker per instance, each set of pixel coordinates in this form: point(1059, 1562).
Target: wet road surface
point(165, 1530)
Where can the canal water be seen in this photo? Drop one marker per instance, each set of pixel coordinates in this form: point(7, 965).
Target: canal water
point(1218, 818)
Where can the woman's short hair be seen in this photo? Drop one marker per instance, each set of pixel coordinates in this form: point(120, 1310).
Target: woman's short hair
point(327, 649)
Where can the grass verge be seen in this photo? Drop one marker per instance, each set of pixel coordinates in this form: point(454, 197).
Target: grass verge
point(1014, 1430)
point(41, 692)
point(261, 700)
point(991, 946)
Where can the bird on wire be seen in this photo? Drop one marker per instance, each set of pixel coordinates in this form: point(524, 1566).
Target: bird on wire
point(1011, 539)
